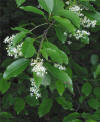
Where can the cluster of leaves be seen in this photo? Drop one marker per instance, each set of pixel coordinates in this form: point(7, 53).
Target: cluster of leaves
point(69, 96)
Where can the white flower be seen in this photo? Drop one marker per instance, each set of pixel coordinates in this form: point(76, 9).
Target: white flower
point(81, 34)
point(12, 50)
point(67, 2)
point(87, 22)
point(34, 89)
point(9, 39)
point(93, 23)
point(75, 8)
point(69, 42)
point(65, 34)
point(37, 66)
point(59, 66)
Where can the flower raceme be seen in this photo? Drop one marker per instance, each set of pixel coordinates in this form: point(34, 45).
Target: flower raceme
point(37, 66)
point(85, 22)
point(34, 89)
point(13, 51)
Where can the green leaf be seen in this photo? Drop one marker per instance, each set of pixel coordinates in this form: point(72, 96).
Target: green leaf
point(86, 115)
point(78, 69)
point(6, 115)
point(85, 40)
point(21, 29)
point(19, 37)
point(4, 86)
point(94, 16)
point(19, 105)
point(31, 100)
point(44, 53)
point(64, 57)
point(67, 105)
point(45, 107)
point(60, 75)
point(58, 5)
point(66, 24)
point(28, 49)
point(75, 120)
point(71, 116)
point(60, 86)
point(60, 34)
point(47, 5)
point(20, 2)
point(90, 120)
point(15, 68)
point(94, 59)
point(32, 9)
point(87, 89)
point(74, 18)
point(55, 54)
point(96, 92)
point(97, 72)
point(93, 103)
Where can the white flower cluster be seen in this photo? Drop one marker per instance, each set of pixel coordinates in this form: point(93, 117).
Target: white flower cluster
point(85, 22)
point(59, 66)
point(81, 34)
point(13, 50)
point(76, 9)
point(37, 66)
point(34, 89)
point(69, 42)
point(67, 2)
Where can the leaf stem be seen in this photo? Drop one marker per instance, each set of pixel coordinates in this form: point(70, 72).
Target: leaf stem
point(38, 26)
point(43, 38)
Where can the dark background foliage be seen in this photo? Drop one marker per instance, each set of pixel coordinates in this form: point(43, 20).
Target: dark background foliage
point(11, 16)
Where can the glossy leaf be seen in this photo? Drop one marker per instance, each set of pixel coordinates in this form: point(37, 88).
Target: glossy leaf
point(96, 92)
point(4, 86)
point(32, 9)
point(74, 18)
point(32, 101)
point(19, 37)
point(45, 107)
point(90, 120)
point(55, 54)
point(97, 72)
point(58, 5)
point(60, 34)
point(87, 89)
point(66, 24)
point(19, 105)
point(6, 115)
point(67, 105)
point(60, 75)
point(94, 59)
point(60, 86)
point(20, 2)
point(94, 103)
point(15, 68)
point(28, 49)
point(47, 5)
point(71, 116)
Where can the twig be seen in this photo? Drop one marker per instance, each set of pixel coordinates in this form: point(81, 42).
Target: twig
point(43, 38)
point(38, 26)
